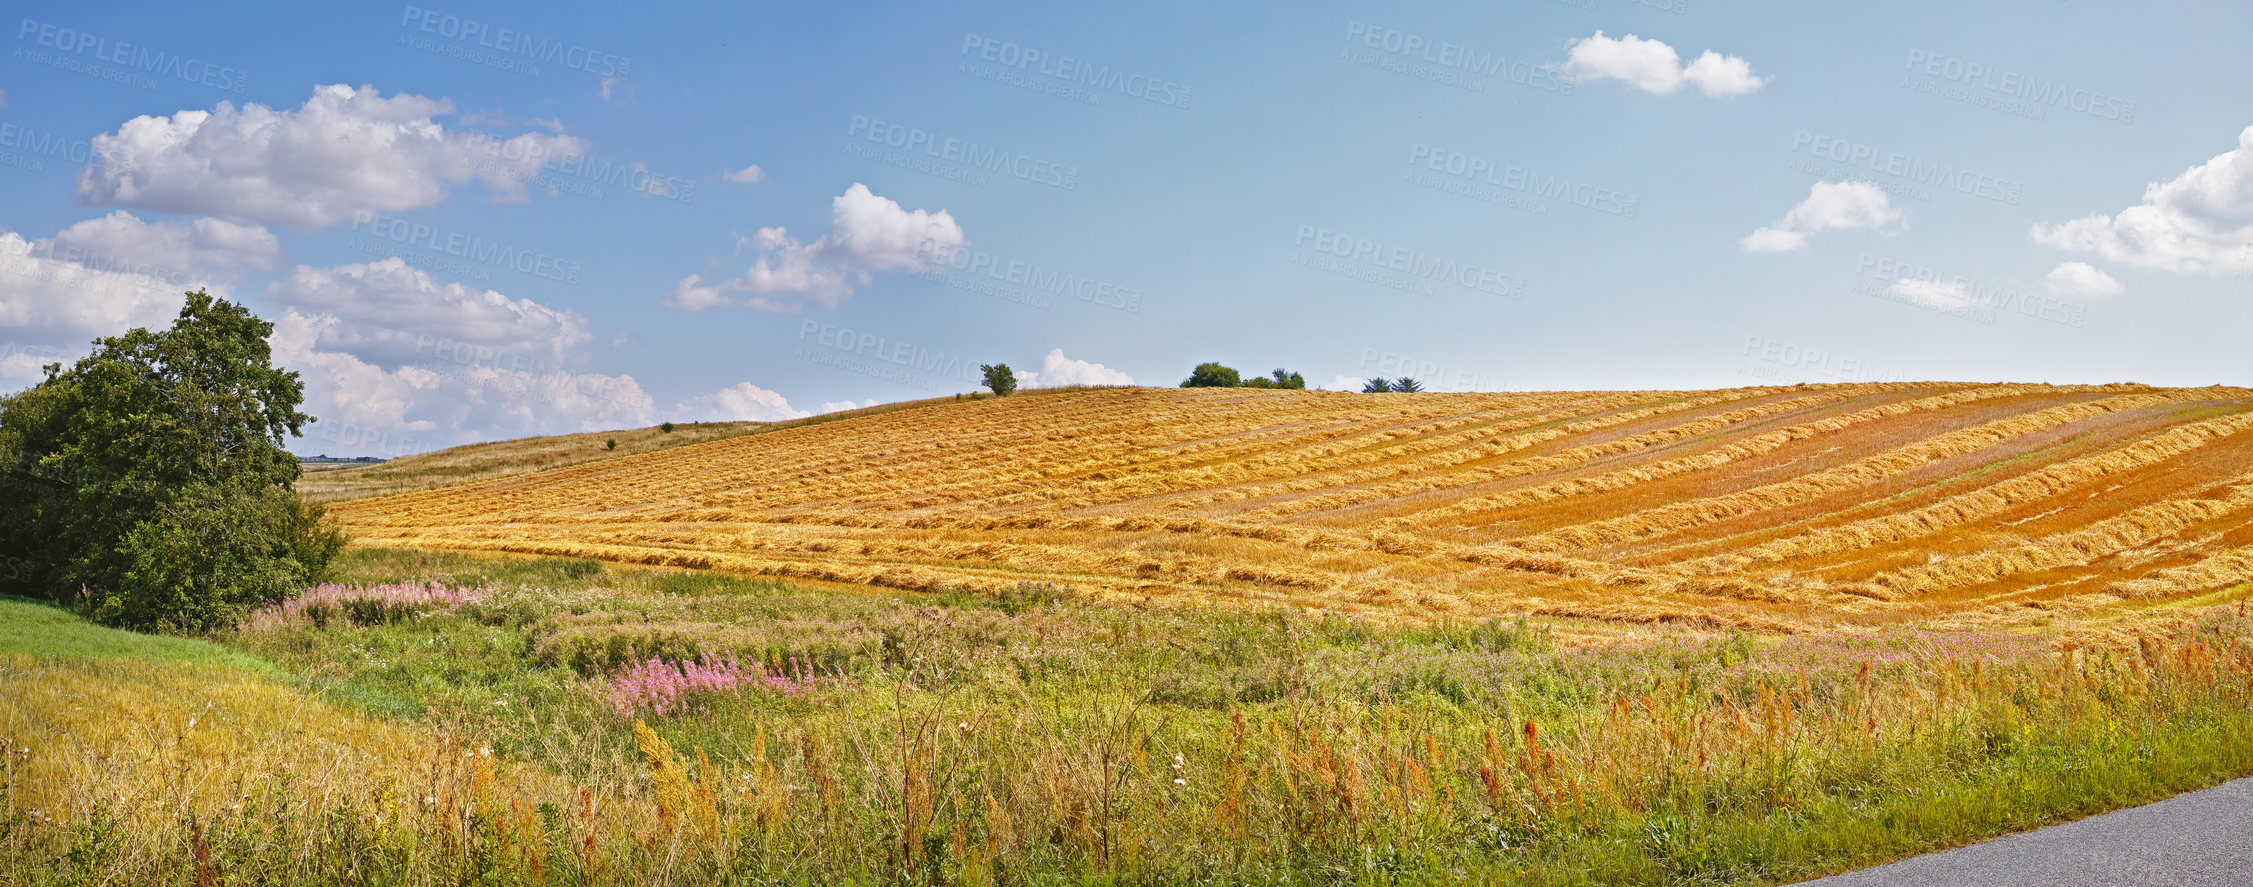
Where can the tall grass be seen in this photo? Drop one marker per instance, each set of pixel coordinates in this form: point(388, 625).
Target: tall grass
point(1045, 739)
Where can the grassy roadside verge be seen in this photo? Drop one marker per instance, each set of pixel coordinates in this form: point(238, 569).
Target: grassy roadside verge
point(830, 737)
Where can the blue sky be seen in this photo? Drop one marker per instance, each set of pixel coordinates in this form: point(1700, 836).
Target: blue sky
point(479, 221)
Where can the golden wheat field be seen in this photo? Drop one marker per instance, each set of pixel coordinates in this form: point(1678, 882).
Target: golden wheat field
point(1801, 508)
point(482, 461)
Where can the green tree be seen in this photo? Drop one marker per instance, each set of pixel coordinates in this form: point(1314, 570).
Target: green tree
point(1376, 385)
point(1212, 375)
point(999, 377)
point(163, 495)
point(666, 427)
point(1287, 379)
point(1406, 385)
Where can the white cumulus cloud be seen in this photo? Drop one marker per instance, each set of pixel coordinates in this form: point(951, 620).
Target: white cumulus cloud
point(1936, 294)
point(1654, 67)
point(741, 402)
point(842, 405)
point(2198, 222)
point(344, 151)
point(203, 246)
point(368, 409)
point(395, 313)
point(749, 175)
point(2081, 279)
point(1829, 206)
point(868, 234)
point(109, 274)
point(20, 366)
point(1057, 371)
point(1721, 75)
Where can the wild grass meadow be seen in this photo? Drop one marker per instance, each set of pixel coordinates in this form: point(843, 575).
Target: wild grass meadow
point(480, 719)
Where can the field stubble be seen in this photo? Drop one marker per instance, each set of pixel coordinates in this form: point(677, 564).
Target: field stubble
point(1789, 509)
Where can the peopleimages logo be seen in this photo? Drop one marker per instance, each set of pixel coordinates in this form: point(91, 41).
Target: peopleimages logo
point(1434, 375)
point(1414, 266)
point(1514, 178)
point(1906, 167)
point(513, 44)
point(1780, 360)
point(462, 246)
point(129, 57)
point(108, 264)
point(2030, 93)
point(1448, 62)
point(903, 362)
point(967, 153)
point(1032, 279)
point(1065, 68)
point(1970, 298)
point(36, 145)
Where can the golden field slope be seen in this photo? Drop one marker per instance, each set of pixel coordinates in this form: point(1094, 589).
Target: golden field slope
point(506, 458)
point(1774, 508)
point(485, 461)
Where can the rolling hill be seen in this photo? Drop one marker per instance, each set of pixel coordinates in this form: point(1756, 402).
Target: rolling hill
point(507, 458)
point(1797, 508)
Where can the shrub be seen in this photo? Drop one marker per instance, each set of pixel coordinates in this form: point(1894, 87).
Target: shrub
point(667, 428)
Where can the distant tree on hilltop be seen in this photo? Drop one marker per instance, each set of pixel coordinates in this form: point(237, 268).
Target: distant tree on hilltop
point(1281, 378)
point(1212, 375)
point(1382, 385)
point(999, 377)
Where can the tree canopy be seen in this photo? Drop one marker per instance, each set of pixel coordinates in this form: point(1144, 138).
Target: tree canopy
point(1281, 378)
point(1212, 375)
point(1000, 378)
point(149, 485)
point(1382, 385)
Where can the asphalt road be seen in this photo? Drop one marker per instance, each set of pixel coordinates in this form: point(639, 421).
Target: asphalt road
point(2195, 840)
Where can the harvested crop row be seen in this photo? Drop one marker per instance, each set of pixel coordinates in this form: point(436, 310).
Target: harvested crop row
point(2137, 528)
point(1757, 446)
point(1240, 496)
point(1573, 457)
point(1675, 517)
point(1365, 465)
point(1967, 507)
point(2222, 569)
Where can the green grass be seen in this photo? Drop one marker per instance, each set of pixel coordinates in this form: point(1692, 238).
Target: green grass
point(34, 628)
point(1347, 751)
